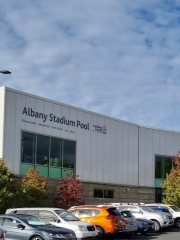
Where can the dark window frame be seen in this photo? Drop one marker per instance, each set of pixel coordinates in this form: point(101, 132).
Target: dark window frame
point(103, 193)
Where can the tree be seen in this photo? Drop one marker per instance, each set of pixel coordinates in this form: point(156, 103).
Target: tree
point(7, 188)
point(70, 192)
point(33, 189)
point(172, 183)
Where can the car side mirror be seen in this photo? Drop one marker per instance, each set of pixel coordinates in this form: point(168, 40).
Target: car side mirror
point(21, 226)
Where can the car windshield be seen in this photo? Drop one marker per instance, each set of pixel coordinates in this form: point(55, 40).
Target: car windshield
point(33, 221)
point(176, 209)
point(65, 215)
point(146, 209)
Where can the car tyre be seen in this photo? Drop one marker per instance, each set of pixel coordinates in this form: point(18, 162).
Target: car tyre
point(37, 238)
point(157, 226)
point(177, 222)
point(100, 232)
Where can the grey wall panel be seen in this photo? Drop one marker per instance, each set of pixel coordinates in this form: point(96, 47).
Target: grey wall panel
point(162, 143)
point(148, 158)
point(136, 156)
point(113, 150)
point(125, 152)
point(10, 125)
point(93, 146)
point(100, 150)
point(2, 111)
point(130, 159)
point(26, 102)
point(80, 145)
point(65, 114)
point(72, 128)
point(168, 143)
point(119, 147)
point(175, 145)
point(48, 108)
point(142, 157)
point(39, 128)
point(86, 149)
point(56, 127)
point(107, 154)
point(20, 125)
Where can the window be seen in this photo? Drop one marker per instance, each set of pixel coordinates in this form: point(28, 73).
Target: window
point(10, 222)
point(99, 193)
point(85, 213)
point(47, 216)
point(28, 148)
point(163, 165)
point(52, 157)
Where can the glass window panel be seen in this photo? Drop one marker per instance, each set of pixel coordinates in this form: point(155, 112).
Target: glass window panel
point(65, 172)
point(28, 147)
point(159, 167)
point(42, 156)
point(56, 152)
point(98, 193)
point(69, 154)
point(158, 195)
point(167, 166)
point(158, 182)
point(43, 171)
point(55, 172)
point(108, 194)
point(25, 167)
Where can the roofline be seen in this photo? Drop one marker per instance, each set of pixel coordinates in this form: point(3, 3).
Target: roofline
point(84, 110)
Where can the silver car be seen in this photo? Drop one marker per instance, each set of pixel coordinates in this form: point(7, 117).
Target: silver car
point(2, 234)
point(27, 227)
point(130, 222)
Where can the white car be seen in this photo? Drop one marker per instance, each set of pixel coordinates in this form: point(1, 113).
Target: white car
point(130, 221)
point(60, 218)
point(2, 235)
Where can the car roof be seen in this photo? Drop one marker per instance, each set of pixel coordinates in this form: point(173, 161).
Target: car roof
point(93, 206)
point(36, 208)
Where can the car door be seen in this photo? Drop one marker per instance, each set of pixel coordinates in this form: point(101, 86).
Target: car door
point(10, 226)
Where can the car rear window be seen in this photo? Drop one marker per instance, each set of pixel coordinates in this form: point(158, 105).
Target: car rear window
point(126, 214)
point(113, 211)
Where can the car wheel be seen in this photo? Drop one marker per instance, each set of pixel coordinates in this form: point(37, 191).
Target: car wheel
point(100, 232)
point(157, 226)
point(37, 238)
point(177, 223)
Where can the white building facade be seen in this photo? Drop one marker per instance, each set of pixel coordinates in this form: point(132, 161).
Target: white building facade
point(108, 154)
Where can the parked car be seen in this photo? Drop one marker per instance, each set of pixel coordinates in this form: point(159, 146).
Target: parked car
point(174, 210)
point(28, 227)
point(108, 220)
point(130, 222)
point(161, 220)
point(2, 234)
point(144, 225)
point(60, 218)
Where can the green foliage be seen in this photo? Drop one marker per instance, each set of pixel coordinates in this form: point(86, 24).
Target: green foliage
point(172, 184)
point(7, 189)
point(33, 189)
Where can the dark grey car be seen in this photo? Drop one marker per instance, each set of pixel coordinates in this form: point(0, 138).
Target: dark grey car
point(26, 227)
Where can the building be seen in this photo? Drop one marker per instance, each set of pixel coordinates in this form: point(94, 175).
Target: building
point(116, 160)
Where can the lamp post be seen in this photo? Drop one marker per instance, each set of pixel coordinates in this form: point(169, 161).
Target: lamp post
point(5, 72)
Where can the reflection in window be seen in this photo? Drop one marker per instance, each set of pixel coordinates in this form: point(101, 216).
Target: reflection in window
point(28, 148)
point(56, 152)
point(159, 167)
point(42, 156)
point(46, 154)
point(167, 166)
point(99, 193)
point(69, 154)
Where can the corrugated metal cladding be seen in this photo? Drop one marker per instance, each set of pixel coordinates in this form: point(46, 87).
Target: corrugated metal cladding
point(118, 153)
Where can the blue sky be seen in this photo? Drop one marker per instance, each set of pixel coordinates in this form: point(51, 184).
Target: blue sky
point(120, 58)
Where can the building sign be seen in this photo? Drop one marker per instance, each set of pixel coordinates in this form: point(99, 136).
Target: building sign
point(100, 129)
point(53, 118)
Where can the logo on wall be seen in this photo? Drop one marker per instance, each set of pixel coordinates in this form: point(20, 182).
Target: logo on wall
point(100, 129)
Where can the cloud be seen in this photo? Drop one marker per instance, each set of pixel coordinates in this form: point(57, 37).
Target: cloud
point(117, 58)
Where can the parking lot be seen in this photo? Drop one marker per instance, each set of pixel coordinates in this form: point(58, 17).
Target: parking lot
point(169, 234)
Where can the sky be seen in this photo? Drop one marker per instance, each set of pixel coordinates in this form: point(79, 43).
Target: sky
point(119, 58)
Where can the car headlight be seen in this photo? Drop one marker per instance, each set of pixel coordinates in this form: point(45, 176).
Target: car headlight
point(163, 216)
point(58, 235)
point(82, 228)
